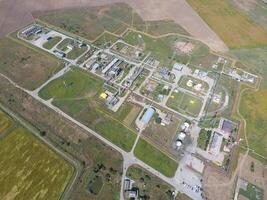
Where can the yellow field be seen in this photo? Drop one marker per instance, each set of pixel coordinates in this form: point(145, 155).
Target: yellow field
point(30, 170)
point(232, 25)
point(5, 122)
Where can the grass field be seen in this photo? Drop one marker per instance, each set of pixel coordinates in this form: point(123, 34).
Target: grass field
point(40, 174)
point(76, 52)
point(149, 184)
point(163, 48)
point(105, 39)
point(252, 192)
point(5, 122)
point(25, 66)
point(75, 93)
point(52, 42)
point(63, 45)
point(254, 109)
point(185, 103)
point(253, 106)
point(86, 22)
point(163, 136)
point(231, 24)
point(155, 158)
point(203, 139)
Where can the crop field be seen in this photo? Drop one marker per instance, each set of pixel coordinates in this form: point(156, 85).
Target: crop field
point(231, 24)
point(185, 103)
point(41, 174)
point(75, 93)
point(25, 66)
point(163, 136)
point(183, 83)
point(52, 42)
point(5, 122)
point(155, 158)
point(149, 184)
point(163, 48)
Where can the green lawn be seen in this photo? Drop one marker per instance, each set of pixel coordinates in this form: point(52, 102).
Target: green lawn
point(76, 52)
point(105, 39)
point(203, 139)
point(155, 158)
point(52, 42)
point(252, 192)
point(31, 168)
point(63, 45)
point(76, 93)
point(185, 103)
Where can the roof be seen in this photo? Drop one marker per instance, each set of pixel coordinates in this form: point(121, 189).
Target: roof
point(109, 65)
point(103, 95)
point(227, 126)
point(148, 115)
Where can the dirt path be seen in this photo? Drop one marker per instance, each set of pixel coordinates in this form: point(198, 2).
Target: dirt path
point(177, 10)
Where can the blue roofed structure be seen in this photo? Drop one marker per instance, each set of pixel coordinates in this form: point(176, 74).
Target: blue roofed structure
point(148, 115)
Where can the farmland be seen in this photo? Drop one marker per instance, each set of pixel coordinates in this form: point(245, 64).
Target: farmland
point(155, 158)
point(42, 177)
point(76, 95)
point(231, 24)
point(25, 66)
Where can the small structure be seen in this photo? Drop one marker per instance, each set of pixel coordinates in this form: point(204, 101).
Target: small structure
point(181, 136)
point(148, 115)
point(104, 95)
point(178, 66)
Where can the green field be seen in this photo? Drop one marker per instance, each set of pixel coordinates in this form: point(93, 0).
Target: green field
point(253, 104)
point(105, 39)
point(31, 168)
point(85, 22)
point(185, 103)
point(163, 48)
point(183, 83)
point(27, 67)
point(76, 52)
point(149, 184)
point(52, 42)
point(155, 158)
point(203, 139)
point(64, 43)
point(231, 24)
point(76, 94)
point(252, 192)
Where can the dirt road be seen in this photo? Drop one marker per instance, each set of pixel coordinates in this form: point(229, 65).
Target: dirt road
point(17, 13)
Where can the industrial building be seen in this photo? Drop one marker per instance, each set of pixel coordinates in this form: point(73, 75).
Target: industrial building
point(148, 115)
